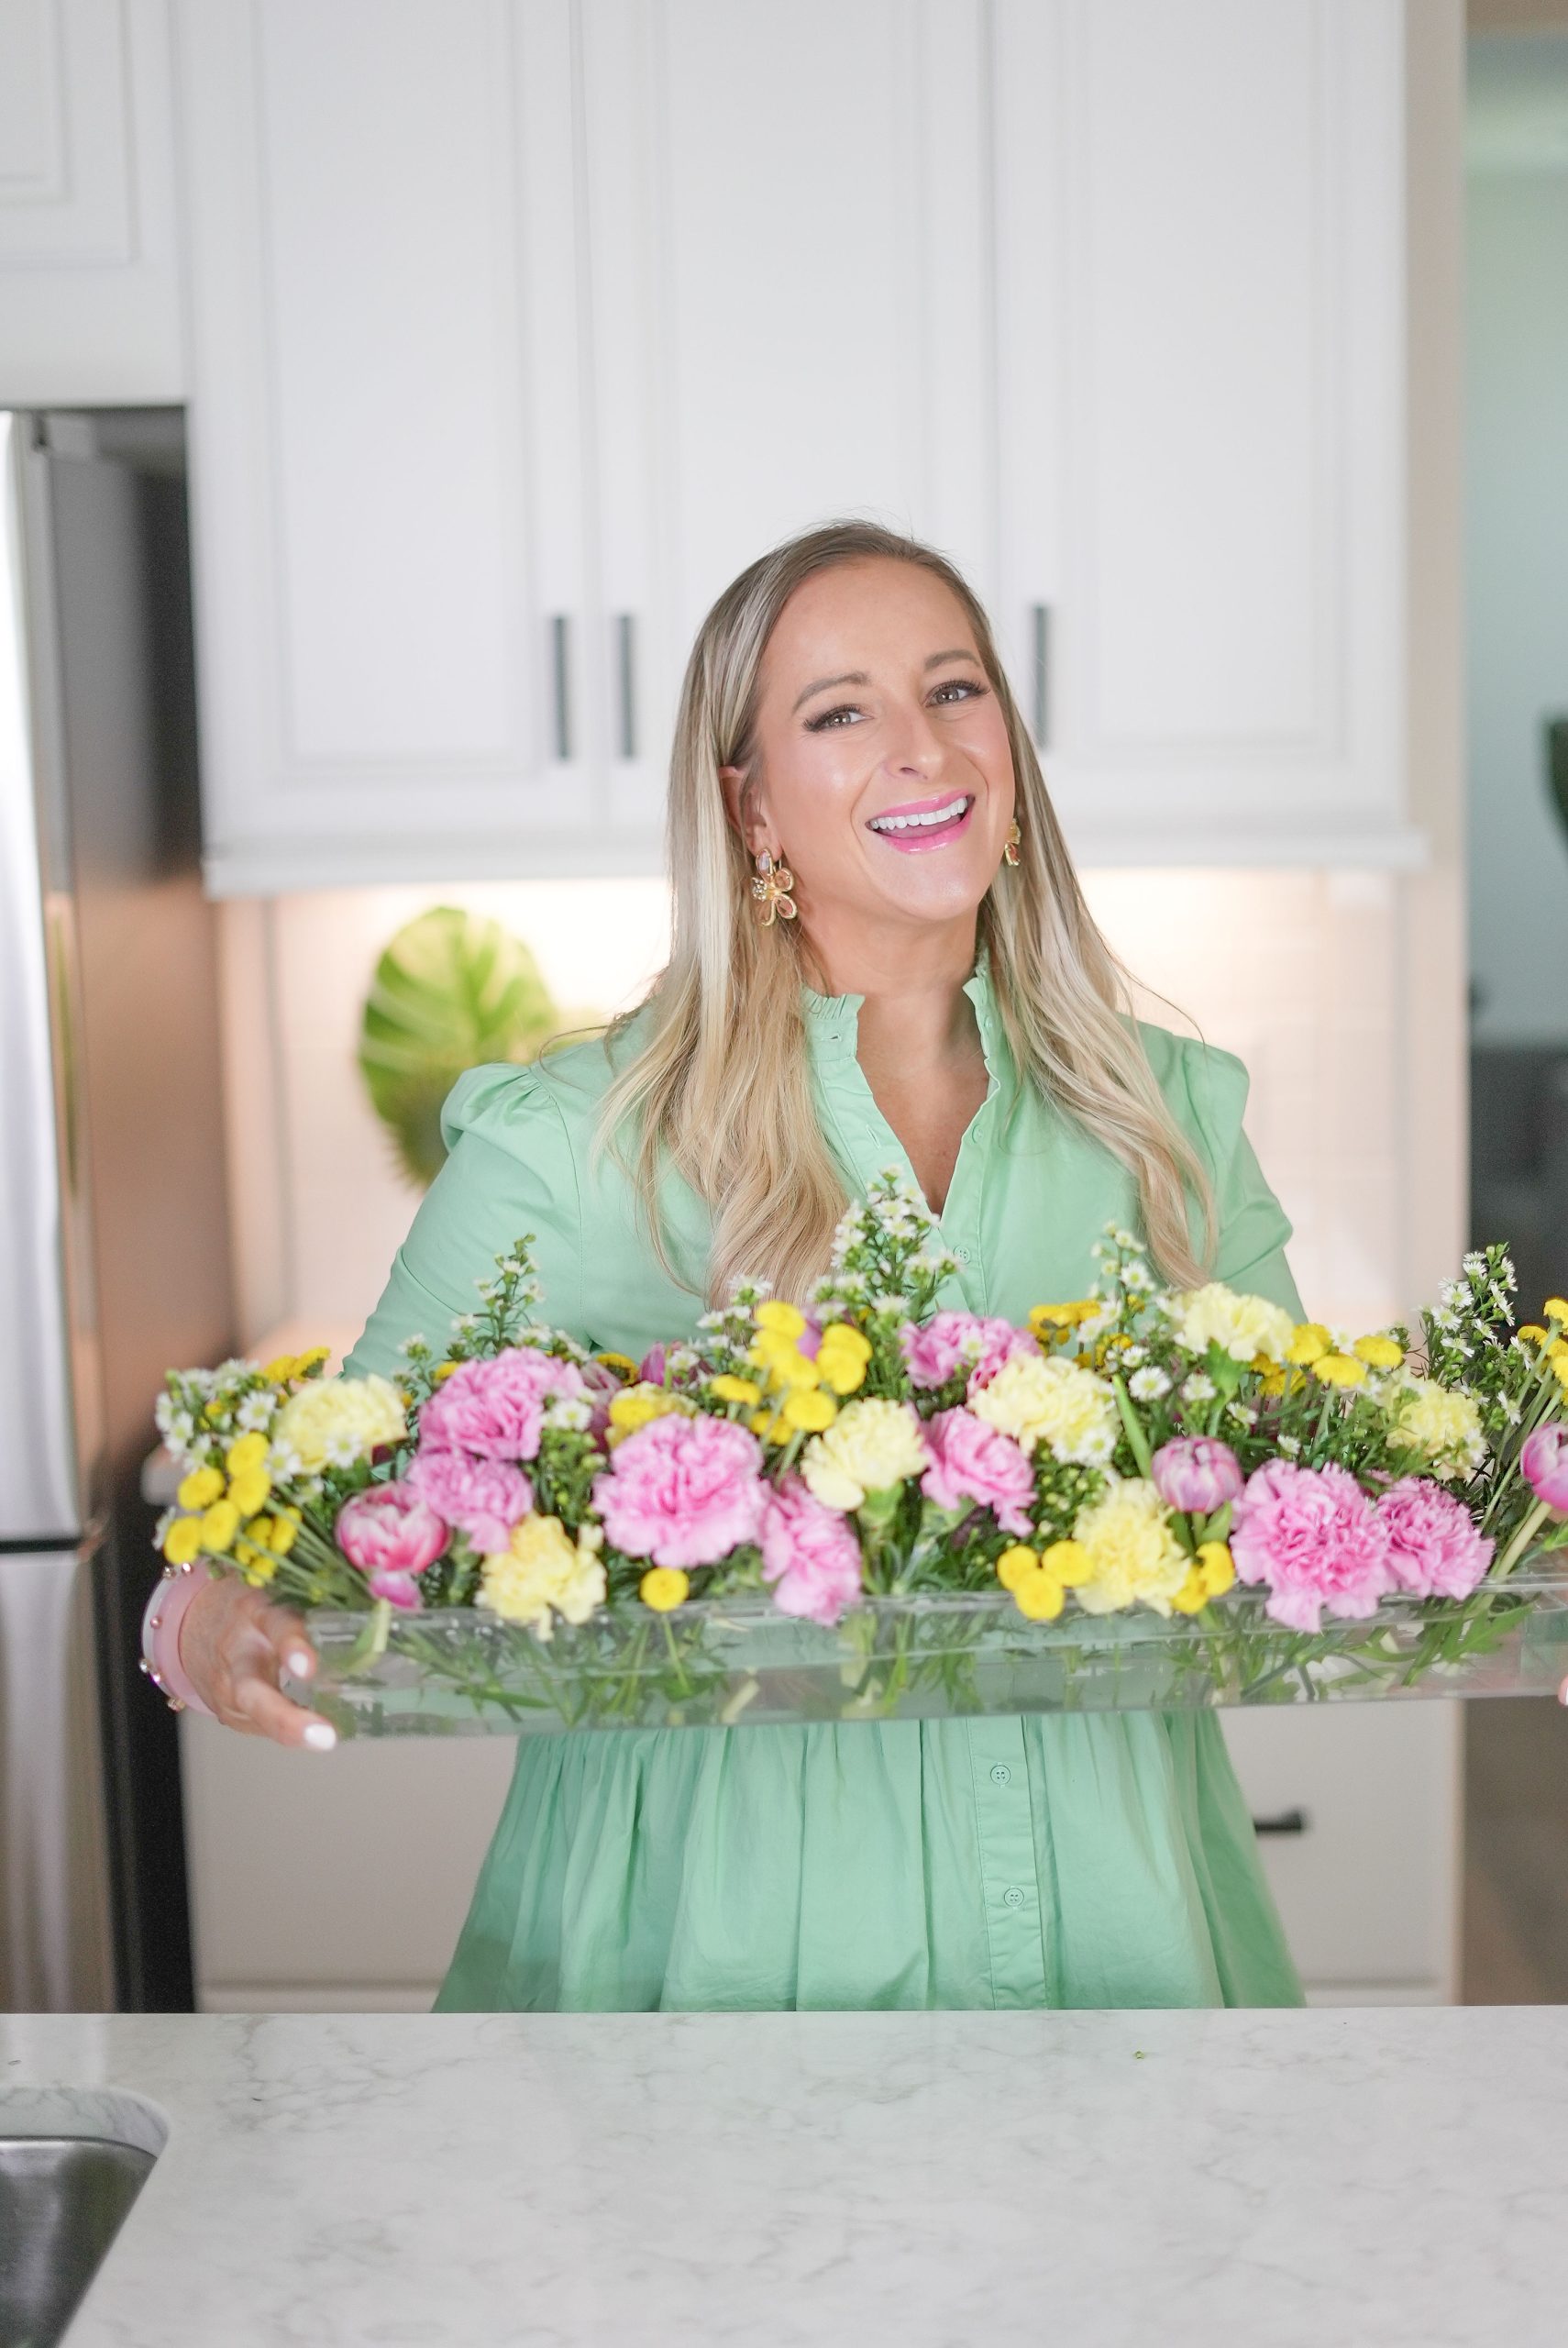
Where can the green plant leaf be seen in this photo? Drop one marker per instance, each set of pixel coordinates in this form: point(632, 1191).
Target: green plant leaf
point(451, 990)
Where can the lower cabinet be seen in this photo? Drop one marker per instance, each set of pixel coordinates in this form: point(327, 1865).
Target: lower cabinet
point(342, 1883)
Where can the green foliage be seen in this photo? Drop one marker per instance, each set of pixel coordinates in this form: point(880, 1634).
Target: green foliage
point(451, 990)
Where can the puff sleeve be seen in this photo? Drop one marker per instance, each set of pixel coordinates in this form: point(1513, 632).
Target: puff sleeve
point(1251, 1226)
point(511, 1171)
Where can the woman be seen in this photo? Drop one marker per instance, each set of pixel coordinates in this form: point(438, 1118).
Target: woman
point(881, 956)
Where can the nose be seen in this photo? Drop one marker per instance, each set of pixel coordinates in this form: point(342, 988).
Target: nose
point(914, 744)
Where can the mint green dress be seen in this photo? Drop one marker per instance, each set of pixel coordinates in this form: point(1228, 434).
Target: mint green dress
point(1092, 1860)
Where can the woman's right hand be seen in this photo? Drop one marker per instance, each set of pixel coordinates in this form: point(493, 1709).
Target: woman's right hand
point(234, 1646)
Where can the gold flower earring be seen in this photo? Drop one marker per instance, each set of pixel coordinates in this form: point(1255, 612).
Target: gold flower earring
point(1010, 845)
point(771, 884)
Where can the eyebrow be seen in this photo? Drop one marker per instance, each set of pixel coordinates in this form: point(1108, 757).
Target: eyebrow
point(861, 677)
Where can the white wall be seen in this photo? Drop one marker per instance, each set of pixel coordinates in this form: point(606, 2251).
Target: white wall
point(1517, 533)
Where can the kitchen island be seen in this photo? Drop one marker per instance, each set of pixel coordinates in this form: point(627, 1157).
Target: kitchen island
point(1389, 2175)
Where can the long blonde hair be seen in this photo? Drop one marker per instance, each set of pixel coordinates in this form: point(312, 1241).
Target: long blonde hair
point(720, 1091)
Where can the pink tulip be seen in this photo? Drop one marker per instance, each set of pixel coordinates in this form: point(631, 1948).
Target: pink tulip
point(1543, 1463)
point(1196, 1473)
point(391, 1535)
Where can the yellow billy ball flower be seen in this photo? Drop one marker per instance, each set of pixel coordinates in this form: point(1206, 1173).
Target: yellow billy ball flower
point(780, 1320)
point(1556, 1308)
point(1340, 1369)
point(621, 1364)
point(247, 1451)
point(1039, 1595)
point(1216, 1566)
point(219, 1524)
point(200, 1487)
point(1308, 1342)
point(725, 1388)
point(664, 1587)
point(842, 1357)
point(1068, 1561)
point(1016, 1565)
point(808, 1410)
point(249, 1489)
point(1193, 1595)
point(1378, 1352)
point(182, 1541)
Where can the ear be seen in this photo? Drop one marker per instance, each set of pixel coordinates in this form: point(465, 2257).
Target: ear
point(747, 805)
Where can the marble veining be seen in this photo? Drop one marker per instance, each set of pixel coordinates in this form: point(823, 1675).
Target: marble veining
point(926, 2180)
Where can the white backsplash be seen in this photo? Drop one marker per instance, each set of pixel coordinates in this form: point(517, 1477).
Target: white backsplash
point(1295, 971)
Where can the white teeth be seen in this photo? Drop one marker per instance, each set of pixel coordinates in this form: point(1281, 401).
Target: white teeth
point(951, 814)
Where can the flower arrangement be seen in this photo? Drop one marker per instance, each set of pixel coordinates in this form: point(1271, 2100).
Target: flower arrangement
point(1196, 1456)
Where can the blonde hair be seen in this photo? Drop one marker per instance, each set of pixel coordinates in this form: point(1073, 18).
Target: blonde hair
point(720, 1091)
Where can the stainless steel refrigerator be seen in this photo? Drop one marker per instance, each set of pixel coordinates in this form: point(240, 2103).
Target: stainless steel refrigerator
point(114, 1249)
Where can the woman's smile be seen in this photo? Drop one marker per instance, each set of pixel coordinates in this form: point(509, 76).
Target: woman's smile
point(920, 824)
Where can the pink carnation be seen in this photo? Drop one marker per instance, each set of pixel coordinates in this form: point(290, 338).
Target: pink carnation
point(1312, 1537)
point(495, 1408)
point(1543, 1463)
point(392, 1534)
point(682, 1491)
point(1434, 1549)
point(1196, 1473)
point(970, 1462)
point(950, 1344)
point(809, 1553)
point(484, 1497)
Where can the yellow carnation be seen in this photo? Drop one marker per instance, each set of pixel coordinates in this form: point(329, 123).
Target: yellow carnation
point(1052, 1400)
point(664, 1587)
point(1308, 1342)
point(872, 1445)
point(1239, 1325)
point(1444, 1426)
point(540, 1569)
point(637, 1406)
point(842, 1357)
point(1378, 1352)
point(1130, 1551)
point(200, 1487)
point(334, 1422)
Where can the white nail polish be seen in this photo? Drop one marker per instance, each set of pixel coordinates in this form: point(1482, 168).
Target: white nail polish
point(298, 1663)
point(321, 1736)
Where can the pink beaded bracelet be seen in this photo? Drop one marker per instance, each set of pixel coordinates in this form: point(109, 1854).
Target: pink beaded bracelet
point(172, 1594)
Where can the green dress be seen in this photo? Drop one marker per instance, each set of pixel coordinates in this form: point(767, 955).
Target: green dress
point(1091, 1860)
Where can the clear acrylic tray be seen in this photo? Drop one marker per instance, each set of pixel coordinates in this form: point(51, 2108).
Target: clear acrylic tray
point(738, 1662)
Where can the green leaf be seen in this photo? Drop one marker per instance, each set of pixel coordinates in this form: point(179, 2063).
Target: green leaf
point(451, 990)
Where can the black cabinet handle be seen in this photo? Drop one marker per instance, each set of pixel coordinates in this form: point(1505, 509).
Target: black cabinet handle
point(560, 675)
point(1039, 646)
point(627, 680)
point(1285, 1822)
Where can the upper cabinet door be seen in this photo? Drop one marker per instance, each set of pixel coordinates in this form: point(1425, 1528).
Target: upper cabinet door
point(386, 450)
point(1201, 303)
point(789, 230)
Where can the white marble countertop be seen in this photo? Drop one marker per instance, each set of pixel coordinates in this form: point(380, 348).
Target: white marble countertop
point(946, 2180)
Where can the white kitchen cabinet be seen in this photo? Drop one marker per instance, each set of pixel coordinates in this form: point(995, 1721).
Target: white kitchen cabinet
point(90, 305)
point(1201, 265)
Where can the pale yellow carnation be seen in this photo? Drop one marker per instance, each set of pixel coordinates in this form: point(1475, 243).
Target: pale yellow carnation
point(333, 1422)
point(1129, 1550)
point(870, 1446)
point(1241, 1326)
point(1445, 1427)
point(543, 1567)
point(1052, 1400)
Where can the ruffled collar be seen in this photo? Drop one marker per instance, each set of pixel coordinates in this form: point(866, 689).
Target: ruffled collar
point(833, 1020)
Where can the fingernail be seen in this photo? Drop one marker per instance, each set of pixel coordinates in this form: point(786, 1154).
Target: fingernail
point(299, 1663)
point(321, 1736)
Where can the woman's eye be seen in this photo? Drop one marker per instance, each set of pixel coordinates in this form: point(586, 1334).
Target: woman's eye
point(820, 724)
point(964, 685)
